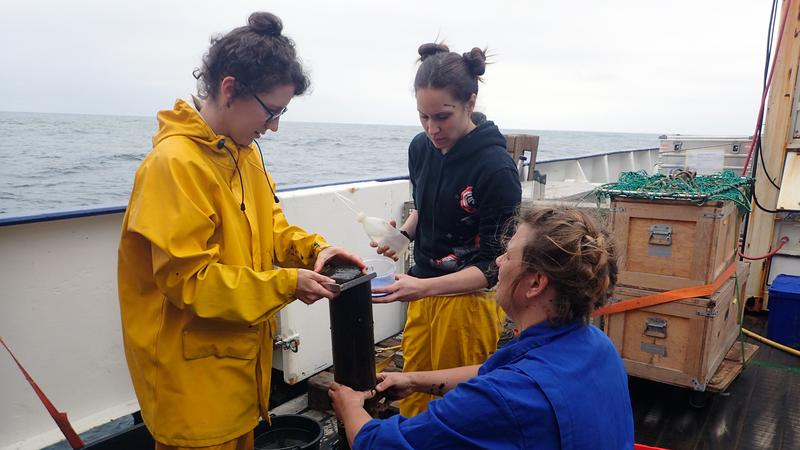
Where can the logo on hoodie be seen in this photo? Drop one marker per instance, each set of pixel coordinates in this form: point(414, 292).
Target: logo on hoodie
point(450, 261)
point(467, 201)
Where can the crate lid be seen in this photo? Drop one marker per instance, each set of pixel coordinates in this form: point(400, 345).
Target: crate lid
point(786, 284)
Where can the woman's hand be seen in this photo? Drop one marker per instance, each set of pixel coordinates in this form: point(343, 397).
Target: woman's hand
point(405, 289)
point(337, 253)
point(384, 249)
point(345, 400)
point(396, 385)
point(310, 286)
point(349, 407)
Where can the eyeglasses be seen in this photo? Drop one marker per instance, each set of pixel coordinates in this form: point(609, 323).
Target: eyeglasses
point(271, 115)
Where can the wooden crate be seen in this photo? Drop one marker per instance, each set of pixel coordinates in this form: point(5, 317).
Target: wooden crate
point(669, 245)
point(681, 342)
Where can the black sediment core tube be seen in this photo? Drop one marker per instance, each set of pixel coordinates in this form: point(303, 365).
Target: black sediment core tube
point(352, 335)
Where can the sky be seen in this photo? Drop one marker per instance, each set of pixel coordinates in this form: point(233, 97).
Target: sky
point(677, 66)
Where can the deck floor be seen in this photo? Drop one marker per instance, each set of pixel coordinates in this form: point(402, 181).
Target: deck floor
point(760, 410)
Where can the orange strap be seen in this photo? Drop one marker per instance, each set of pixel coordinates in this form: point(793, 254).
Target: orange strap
point(668, 296)
point(60, 418)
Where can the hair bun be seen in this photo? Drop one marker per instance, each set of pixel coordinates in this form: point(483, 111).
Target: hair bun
point(265, 24)
point(476, 61)
point(430, 49)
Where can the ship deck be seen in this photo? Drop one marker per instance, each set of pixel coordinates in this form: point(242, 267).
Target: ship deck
point(760, 409)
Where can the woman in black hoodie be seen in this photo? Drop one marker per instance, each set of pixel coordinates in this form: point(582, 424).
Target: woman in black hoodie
point(465, 189)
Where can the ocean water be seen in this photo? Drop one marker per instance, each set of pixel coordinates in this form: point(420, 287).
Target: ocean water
point(59, 162)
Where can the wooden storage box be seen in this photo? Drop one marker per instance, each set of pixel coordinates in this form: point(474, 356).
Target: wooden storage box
point(682, 342)
point(667, 244)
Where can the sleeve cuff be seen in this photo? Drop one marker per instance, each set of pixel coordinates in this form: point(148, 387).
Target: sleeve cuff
point(291, 281)
point(320, 245)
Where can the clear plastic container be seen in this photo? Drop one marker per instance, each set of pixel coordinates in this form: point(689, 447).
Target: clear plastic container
point(384, 269)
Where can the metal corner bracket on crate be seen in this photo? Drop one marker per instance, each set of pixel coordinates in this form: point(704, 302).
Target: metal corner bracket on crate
point(698, 386)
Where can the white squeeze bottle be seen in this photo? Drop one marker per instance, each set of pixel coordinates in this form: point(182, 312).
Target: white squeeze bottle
point(379, 230)
point(384, 233)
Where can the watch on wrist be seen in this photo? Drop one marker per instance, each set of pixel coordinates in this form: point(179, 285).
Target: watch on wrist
point(405, 233)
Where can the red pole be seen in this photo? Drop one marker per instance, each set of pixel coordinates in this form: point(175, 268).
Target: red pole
point(59, 417)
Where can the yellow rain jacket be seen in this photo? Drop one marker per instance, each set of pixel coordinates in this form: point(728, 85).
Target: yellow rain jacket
point(198, 286)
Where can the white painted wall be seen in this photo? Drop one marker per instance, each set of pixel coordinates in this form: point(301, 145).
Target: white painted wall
point(59, 314)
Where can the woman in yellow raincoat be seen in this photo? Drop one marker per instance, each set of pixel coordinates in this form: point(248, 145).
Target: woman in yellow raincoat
point(465, 188)
point(201, 239)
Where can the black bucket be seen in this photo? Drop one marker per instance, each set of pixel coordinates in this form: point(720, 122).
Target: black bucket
point(290, 432)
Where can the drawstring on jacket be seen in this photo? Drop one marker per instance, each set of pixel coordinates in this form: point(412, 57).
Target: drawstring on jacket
point(221, 145)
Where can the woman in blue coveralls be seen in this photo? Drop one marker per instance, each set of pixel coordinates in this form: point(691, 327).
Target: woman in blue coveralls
point(559, 385)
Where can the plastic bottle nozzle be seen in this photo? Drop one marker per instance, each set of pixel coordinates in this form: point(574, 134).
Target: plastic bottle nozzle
point(360, 217)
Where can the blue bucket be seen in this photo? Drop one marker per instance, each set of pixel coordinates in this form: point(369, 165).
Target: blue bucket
point(784, 310)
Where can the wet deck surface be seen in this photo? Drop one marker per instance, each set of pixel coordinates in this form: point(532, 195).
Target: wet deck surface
point(760, 410)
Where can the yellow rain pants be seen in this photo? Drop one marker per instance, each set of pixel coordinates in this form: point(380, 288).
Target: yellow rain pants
point(443, 332)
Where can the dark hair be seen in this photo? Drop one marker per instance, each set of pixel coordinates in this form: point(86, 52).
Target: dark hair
point(443, 69)
point(257, 55)
point(477, 117)
point(576, 254)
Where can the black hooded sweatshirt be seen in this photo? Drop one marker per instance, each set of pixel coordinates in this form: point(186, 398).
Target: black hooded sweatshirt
point(464, 200)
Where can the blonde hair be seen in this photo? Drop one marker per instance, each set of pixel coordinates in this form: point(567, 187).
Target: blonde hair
point(576, 254)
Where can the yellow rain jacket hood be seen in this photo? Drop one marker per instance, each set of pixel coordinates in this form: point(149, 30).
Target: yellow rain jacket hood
point(198, 286)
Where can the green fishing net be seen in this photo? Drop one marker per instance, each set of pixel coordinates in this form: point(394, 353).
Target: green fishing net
point(681, 185)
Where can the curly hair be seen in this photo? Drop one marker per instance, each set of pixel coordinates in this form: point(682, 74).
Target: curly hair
point(577, 255)
point(257, 55)
point(443, 69)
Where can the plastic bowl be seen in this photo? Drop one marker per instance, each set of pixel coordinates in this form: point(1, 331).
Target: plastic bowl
point(384, 269)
